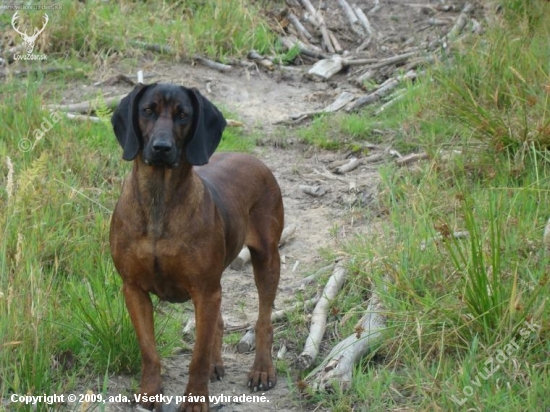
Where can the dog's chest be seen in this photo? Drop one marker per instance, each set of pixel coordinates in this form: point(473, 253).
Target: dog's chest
point(163, 267)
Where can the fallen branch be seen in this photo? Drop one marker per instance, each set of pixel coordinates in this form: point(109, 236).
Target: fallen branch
point(319, 317)
point(320, 24)
point(461, 21)
point(310, 51)
point(352, 18)
point(315, 191)
point(248, 341)
point(363, 19)
point(300, 284)
point(212, 64)
point(348, 167)
point(382, 91)
point(157, 48)
point(411, 158)
point(337, 367)
point(341, 101)
point(302, 31)
point(261, 60)
point(83, 118)
point(87, 106)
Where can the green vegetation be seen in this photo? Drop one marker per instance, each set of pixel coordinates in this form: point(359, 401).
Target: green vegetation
point(457, 307)
point(468, 316)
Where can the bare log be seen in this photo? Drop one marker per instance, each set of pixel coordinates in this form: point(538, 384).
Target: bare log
point(461, 21)
point(302, 31)
point(261, 60)
point(248, 341)
point(300, 284)
point(212, 64)
point(157, 48)
point(337, 367)
point(315, 191)
point(83, 118)
point(352, 18)
point(320, 24)
point(307, 50)
point(319, 317)
point(382, 91)
point(87, 106)
point(342, 100)
point(411, 158)
point(363, 19)
point(348, 167)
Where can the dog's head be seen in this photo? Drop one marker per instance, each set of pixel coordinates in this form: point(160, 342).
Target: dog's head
point(168, 124)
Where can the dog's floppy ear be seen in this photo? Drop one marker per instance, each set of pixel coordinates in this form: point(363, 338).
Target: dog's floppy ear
point(206, 131)
point(125, 122)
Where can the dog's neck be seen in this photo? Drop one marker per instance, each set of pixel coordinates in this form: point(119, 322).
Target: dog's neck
point(156, 187)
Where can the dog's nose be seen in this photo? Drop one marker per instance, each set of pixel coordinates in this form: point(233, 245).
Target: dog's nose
point(162, 146)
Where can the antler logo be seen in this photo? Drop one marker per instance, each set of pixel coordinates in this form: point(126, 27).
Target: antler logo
point(29, 41)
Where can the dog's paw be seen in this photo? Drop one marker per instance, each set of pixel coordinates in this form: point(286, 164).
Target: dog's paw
point(217, 372)
point(262, 379)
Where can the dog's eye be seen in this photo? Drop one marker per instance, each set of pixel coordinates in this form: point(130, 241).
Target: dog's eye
point(183, 115)
point(147, 111)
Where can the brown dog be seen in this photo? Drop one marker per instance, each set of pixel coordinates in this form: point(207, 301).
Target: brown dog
point(176, 227)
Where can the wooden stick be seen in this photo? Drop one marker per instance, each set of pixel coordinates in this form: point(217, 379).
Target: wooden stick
point(306, 35)
point(460, 21)
point(87, 106)
point(212, 64)
point(301, 283)
point(337, 367)
point(157, 48)
point(382, 91)
point(248, 341)
point(319, 317)
point(411, 158)
point(352, 18)
point(310, 51)
point(348, 167)
point(363, 19)
point(315, 191)
point(337, 47)
point(82, 117)
point(321, 24)
point(261, 60)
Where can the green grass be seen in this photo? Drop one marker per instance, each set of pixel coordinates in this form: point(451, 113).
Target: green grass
point(467, 316)
point(104, 32)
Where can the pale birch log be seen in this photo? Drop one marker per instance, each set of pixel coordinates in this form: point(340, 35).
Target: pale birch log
point(337, 367)
point(248, 341)
point(319, 317)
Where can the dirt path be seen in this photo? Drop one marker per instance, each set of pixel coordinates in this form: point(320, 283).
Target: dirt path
point(260, 100)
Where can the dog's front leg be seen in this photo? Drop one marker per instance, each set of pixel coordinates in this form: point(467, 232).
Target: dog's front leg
point(207, 309)
point(140, 308)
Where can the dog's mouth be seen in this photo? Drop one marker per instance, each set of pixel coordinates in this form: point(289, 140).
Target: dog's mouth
point(161, 163)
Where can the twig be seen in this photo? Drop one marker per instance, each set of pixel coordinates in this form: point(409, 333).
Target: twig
point(352, 18)
point(87, 106)
point(321, 24)
point(348, 167)
point(411, 158)
point(212, 64)
point(382, 91)
point(308, 279)
point(248, 341)
point(82, 117)
point(261, 60)
point(319, 317)
point(364, 20)
point(310, 51)
point(302, 31)
point(460, 21)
